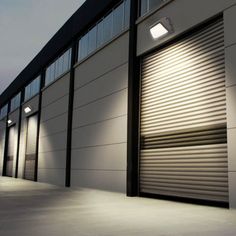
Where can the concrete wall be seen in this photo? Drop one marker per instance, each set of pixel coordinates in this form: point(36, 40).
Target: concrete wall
point(99, 139)
point(53, 132)
point(189, 14)
point(230, 60)
point(2, 142)
point(33, 103)
point(14, 117)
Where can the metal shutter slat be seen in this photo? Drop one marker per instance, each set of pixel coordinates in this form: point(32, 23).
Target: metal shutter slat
point(193, 110)
point(210, 52)
point(204, 69)
point(217, 58)
point(10, 151)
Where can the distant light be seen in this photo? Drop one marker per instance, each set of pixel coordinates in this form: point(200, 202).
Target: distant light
point(27, 109)
point(158, 30)
point(9, 122)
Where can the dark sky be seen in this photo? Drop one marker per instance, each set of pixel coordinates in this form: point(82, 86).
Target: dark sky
point(25, 27)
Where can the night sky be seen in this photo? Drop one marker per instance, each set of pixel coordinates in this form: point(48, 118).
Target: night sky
point(25, 27)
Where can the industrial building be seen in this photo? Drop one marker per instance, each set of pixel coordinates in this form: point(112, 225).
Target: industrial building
point(130, 96)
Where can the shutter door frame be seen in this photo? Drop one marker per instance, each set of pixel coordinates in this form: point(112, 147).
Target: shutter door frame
point(212, 135)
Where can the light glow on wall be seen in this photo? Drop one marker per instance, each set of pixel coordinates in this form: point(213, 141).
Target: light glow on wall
point(9, 122)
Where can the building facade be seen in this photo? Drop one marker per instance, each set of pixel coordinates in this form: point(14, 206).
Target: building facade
point(130, 96)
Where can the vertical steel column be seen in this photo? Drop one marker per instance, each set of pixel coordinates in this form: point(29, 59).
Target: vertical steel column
point(133, 106)
point(19, 132)
point(4, 171)
point(70, 116)
point(42, 79)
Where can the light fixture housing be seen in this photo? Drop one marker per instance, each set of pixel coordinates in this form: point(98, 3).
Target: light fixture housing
point(9, 122)
point(158, 31)
point(28, 109)
point(161, 28)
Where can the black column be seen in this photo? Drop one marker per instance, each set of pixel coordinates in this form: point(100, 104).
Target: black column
point(4, 171)
point(18, 133)
point(70, 116)
point(133, 106)
point(38, 125)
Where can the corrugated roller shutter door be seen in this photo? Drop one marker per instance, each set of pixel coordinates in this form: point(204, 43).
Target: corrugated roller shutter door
point(10, 151)
point(183, 118)
point(30, 157)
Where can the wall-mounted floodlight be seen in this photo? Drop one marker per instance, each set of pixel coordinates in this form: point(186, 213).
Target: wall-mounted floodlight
point(158, 31)
point(9, 122)
point(28, 109)
point(161, 28)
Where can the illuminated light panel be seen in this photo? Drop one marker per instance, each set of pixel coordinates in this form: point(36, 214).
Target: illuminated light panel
point(158, 31)
point(27, 110)
point(9, 122)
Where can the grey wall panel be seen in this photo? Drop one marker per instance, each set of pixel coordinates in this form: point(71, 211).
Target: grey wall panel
point(106, 108)
point(52, 143)
point(109, 83)
point(110, 157)
point(53, 126)
point(232, 192)
point(105, 180)
point(55, 109)
point(14, 116)
point(52, 176)
point(231, 134)
point(53, 132)
point(105, 60)
point(229, 22)
point(56, 90)
point(230, 58)
point(189, 14)
point(100, 118)
point(231, 109)
point(104, 133)
point(51, 160)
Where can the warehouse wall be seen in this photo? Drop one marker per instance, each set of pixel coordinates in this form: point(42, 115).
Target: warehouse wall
point(230, 54)
point(53, 132)
point(99, 139)
point(191, 13)
point(2, 142)
point(33, 103)
point(14, 117)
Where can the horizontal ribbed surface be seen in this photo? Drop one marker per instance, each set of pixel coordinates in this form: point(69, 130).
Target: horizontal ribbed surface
point(31, 143)
point(10, 151)
point(9, 168)
point(183, 118)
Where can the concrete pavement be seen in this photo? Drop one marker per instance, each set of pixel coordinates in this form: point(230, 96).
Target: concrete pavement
point(35, 209)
